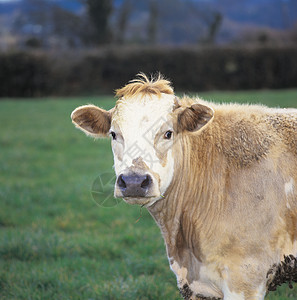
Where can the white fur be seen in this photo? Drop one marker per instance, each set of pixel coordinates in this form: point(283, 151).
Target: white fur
point(139, 120)
point(180, 273)
point(228, 295)
point(289, 187)
point(261, 291)
point(283, 110)
point(295, 248)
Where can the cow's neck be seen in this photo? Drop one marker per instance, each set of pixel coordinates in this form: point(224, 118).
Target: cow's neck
point(185, 215)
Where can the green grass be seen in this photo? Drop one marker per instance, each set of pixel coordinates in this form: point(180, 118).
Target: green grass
point(56, 242)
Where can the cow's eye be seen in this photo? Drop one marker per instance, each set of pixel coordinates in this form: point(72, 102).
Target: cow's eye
point(113, 135)
point(168, 135)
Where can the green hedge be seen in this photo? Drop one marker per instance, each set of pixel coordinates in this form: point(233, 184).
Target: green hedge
point(24, 75)
point(190, 69)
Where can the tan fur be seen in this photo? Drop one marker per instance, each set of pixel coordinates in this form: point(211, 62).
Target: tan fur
point(144, 86)
point(227, 204)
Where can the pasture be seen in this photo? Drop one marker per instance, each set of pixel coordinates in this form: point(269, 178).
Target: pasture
point(56, 241)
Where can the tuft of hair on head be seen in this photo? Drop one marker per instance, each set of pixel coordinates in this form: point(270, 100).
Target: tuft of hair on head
point(144, 86)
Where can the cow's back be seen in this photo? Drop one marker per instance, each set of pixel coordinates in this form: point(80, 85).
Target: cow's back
point(284, 122)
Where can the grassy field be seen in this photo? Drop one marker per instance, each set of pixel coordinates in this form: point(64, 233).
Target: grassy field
point(56, 242)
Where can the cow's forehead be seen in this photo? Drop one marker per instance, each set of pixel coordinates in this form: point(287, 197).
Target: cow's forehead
point(142, 113)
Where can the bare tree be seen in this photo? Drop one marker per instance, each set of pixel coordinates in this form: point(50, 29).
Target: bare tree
point(123, 18)
point(99, 12)
point(153, 22)
point(211, 19)
point(213, 27)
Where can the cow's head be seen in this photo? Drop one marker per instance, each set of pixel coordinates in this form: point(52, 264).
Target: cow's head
point(144, 125)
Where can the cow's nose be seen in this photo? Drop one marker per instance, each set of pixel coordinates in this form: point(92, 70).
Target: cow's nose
point(134, 185)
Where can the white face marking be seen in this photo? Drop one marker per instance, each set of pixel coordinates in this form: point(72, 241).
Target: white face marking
point(289, 187)
point(180, 273)
point(140, 125)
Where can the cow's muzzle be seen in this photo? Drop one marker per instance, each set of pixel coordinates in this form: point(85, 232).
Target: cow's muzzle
point(134, 185)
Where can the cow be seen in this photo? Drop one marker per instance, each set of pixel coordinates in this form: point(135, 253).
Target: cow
point(220, 180)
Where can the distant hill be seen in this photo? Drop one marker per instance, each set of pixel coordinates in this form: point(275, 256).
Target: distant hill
point(271, 13)
point(179, 21)
point(279, 14)
point(10, 7)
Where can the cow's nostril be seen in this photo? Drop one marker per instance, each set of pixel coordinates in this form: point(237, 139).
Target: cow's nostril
point(146, 182)
point(121, 182)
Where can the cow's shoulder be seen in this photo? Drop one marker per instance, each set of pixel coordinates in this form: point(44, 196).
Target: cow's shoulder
point(246, 133)
point(242, 133)
point(284, 123)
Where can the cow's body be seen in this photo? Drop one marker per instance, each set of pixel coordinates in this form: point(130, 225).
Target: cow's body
point(231, 211)
point(228, 214)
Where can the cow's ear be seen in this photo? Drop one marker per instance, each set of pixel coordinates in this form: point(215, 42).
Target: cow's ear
point(194, 117)
point(92, 120)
